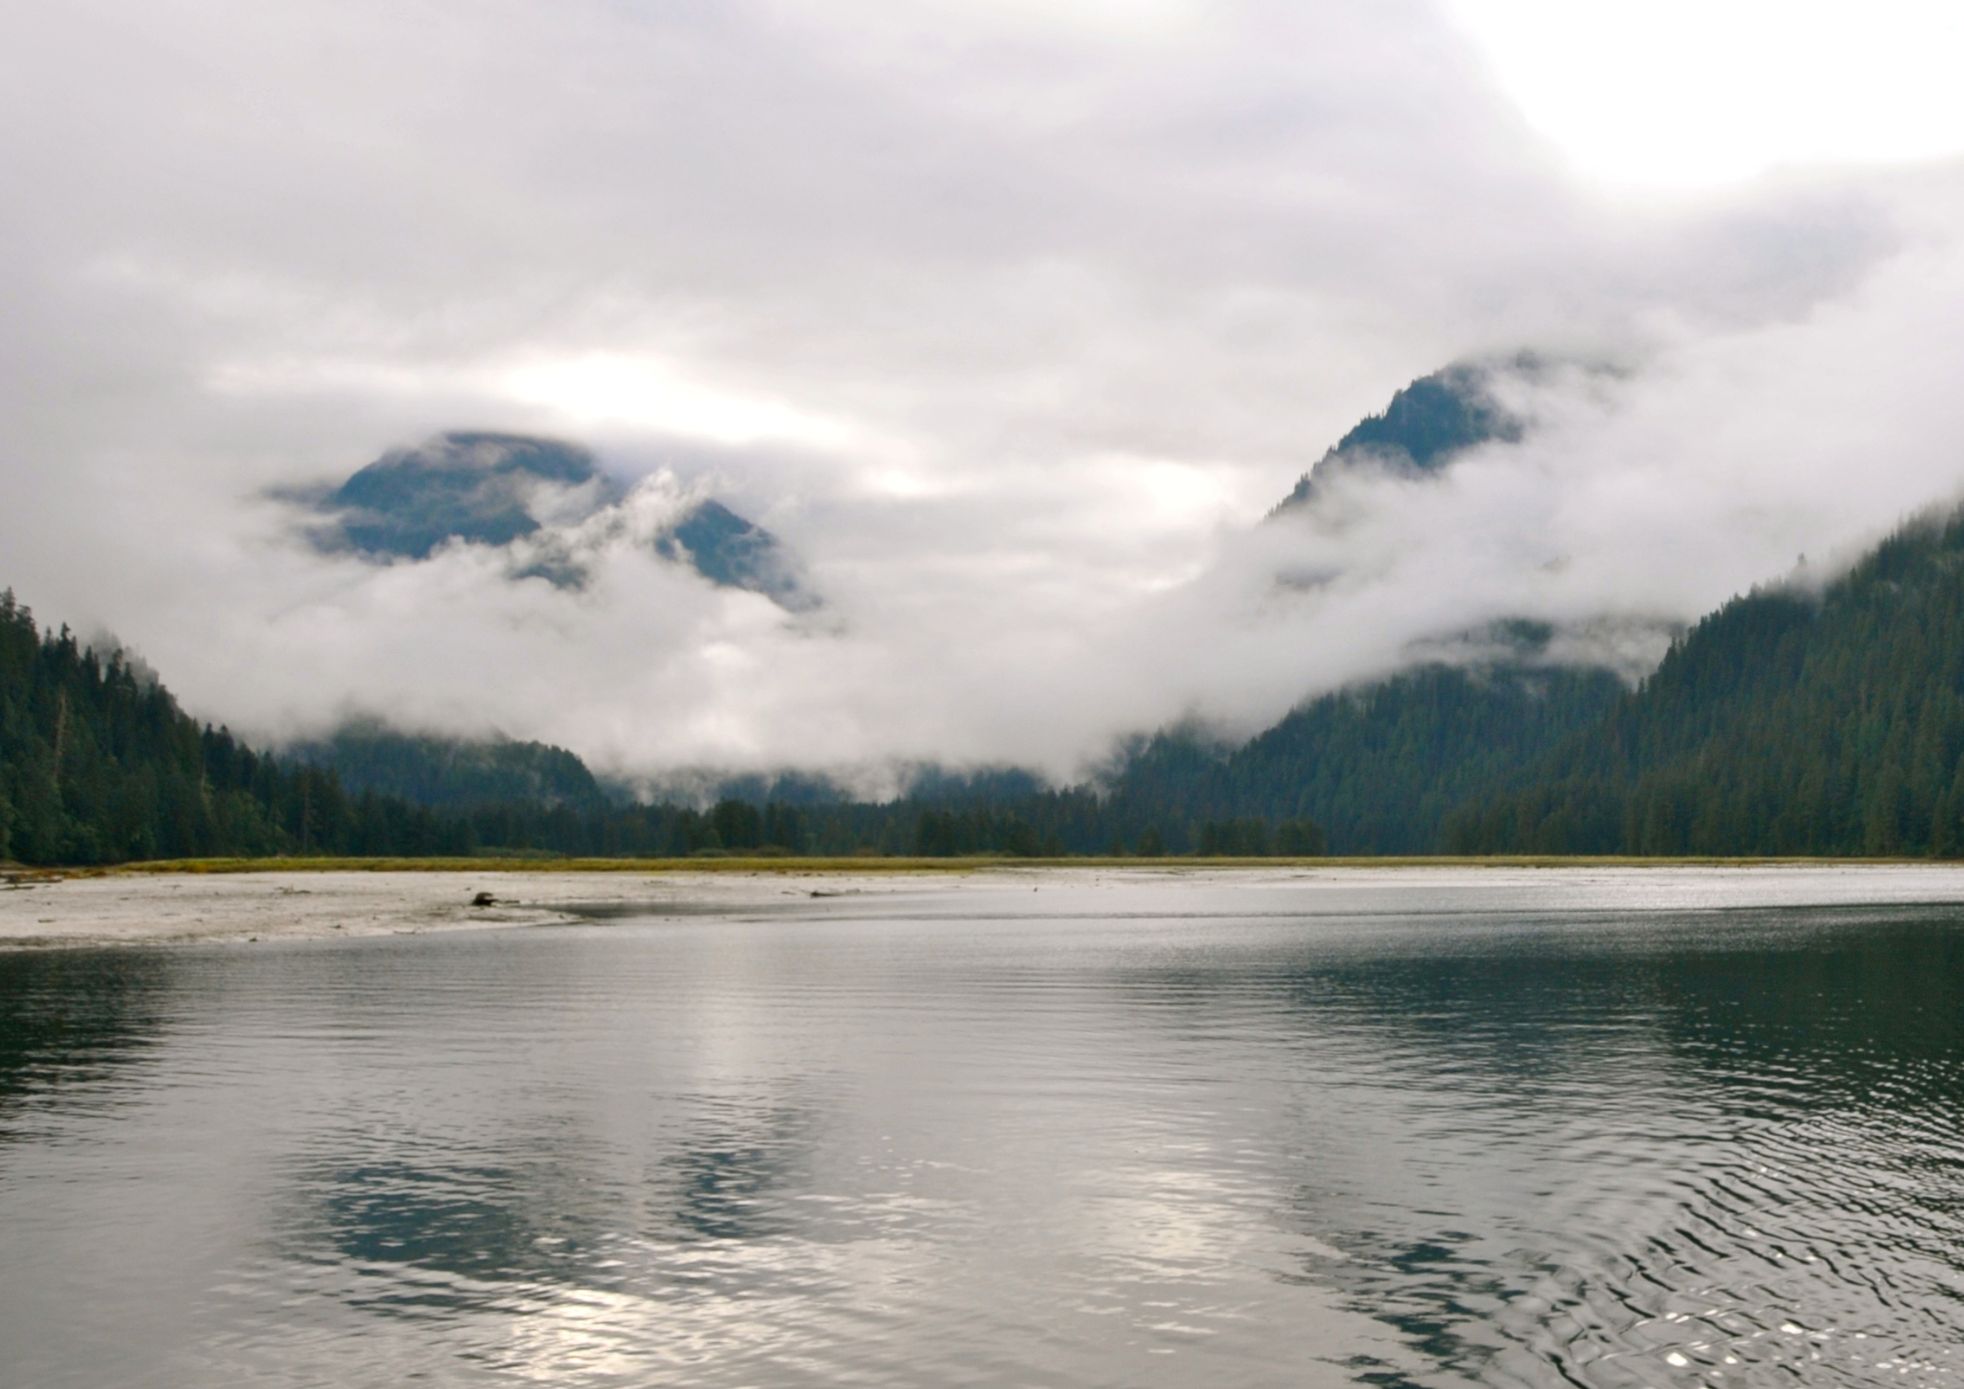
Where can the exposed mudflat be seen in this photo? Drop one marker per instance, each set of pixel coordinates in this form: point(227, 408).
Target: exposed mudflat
point(159, 908)
point(152, 907)
point(44, 909)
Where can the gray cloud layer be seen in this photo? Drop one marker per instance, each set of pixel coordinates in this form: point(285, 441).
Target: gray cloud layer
point(1011, 319)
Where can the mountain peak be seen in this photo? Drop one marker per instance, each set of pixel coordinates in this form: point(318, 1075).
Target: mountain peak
point(475, 486)
point(493, 489)
point(1423, 428)
point(733, 552)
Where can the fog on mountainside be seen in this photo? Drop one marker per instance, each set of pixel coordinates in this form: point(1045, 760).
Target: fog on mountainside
point(938, 365)
point(1426, 425)
point(1792, 721)
point(479, 488)
point(546, 507)
point(1427, 535)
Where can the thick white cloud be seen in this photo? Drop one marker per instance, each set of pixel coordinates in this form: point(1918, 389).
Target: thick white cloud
point(1675, 94)
point(1011, 319)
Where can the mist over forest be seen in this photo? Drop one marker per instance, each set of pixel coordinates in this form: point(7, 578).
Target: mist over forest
point(952, 401)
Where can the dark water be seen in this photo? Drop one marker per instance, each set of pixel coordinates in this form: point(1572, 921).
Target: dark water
point(1192, 1134)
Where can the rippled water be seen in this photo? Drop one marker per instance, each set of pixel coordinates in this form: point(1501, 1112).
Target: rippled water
point(1594, 1130)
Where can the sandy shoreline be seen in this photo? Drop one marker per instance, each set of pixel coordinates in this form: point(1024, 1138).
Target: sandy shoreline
point(42, 911)
point(45, 911)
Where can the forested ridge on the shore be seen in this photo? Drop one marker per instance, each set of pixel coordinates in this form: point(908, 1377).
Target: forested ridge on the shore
point(1788, 722)
point(98, 764)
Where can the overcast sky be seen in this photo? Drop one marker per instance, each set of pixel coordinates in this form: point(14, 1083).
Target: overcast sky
point(1012, 318)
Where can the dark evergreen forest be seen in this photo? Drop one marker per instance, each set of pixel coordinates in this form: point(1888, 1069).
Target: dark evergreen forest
point(451, 774)
point(1787, 722)
point(1379, 768)
point(99, 765)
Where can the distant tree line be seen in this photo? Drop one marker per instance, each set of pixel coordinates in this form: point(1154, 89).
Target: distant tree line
point(1052, 824)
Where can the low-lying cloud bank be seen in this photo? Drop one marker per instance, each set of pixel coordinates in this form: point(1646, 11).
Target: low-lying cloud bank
point(1011, 326)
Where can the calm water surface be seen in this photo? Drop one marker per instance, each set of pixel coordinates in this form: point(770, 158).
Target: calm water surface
point(1600, 1130)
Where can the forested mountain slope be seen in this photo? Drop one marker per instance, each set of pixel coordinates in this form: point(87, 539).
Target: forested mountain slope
point(451, 773)
point(1788, 722)
point(1380, 767)
point(99, 765)
point(1422, 429)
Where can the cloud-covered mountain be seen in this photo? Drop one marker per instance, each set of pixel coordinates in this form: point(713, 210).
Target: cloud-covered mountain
point(545, 501)
point(732, 552)
point(482, 489)
point(1425, 426)
point(1020, 316)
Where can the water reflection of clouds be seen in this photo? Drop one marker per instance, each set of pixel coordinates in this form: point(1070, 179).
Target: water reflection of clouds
point(545, 1202)
point(1150, 1150)
point(544, 1271)
point(734, 1208)
point(1597, 1144)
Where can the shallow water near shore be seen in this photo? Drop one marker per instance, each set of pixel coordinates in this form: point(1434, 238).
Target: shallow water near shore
point(1595, 1129)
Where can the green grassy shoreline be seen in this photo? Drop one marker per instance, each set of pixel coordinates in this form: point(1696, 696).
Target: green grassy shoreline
point(786, 865)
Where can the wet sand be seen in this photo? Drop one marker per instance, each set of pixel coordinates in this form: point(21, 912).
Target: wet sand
point(144, 907)
point(38, 911)
point(41, 909)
